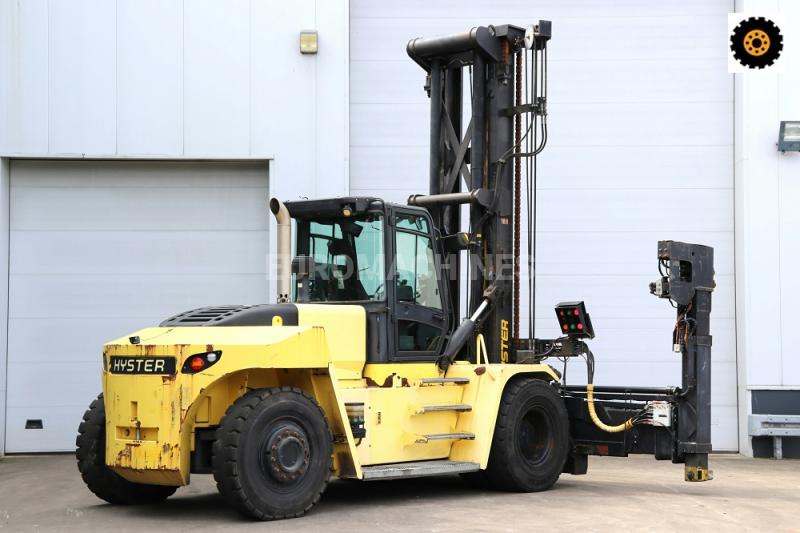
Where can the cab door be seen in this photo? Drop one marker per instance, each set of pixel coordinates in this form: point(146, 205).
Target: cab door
point(419, 317)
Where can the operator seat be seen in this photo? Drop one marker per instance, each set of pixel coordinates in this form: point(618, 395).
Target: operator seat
point(351, 287)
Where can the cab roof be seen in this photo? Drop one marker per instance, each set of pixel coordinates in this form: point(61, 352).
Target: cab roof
point(342, 206)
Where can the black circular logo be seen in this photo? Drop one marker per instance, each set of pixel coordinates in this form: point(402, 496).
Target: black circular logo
point(756, 42)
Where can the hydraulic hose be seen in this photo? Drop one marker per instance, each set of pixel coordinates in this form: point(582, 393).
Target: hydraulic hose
point(625, 426)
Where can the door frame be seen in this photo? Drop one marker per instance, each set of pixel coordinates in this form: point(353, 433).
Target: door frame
point(391, 275)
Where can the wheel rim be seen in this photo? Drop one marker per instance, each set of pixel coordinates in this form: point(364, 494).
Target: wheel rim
point(284, 453)
point(756, 42)
point(536, 437)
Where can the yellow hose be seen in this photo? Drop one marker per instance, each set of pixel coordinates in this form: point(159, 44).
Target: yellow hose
point(625, 426)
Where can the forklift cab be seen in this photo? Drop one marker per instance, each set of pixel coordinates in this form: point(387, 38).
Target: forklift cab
point(384, 257)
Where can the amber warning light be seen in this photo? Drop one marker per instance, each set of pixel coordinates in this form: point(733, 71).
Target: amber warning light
point(200, 361)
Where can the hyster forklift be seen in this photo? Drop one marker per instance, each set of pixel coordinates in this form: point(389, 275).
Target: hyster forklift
point(364, 367)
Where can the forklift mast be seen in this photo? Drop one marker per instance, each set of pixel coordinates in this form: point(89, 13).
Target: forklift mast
point(493, 57)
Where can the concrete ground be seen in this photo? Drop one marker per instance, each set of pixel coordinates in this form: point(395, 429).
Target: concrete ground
point(45, 493)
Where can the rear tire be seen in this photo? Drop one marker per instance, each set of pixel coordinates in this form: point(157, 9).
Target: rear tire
point(531, 438)
point(99, 478)
point(272, 455)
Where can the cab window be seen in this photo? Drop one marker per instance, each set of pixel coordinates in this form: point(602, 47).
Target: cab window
point(411, 223)
point(349, 259)
point(416, 269)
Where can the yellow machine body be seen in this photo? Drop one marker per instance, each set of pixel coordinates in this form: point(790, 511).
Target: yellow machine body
point(152, 420)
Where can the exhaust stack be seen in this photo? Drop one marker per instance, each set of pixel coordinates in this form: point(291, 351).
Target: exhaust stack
point(284, 249)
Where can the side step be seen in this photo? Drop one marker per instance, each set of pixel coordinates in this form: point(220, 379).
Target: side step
point(442, 381)
point(432, 408)
point(422, 439)
point(418, 469)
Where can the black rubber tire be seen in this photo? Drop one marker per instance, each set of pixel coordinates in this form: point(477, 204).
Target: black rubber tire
point(531, 438)
point(101, 480)
point(245, 454)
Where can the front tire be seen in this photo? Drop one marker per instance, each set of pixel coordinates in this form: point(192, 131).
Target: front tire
point(272, 455)
point(531, 438)
point(99, 478)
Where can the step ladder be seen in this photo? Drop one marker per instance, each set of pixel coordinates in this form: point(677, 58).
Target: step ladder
point(424, 439)
point(457, 408)
point(444, 381)
point(438, 467)
point(461, 408)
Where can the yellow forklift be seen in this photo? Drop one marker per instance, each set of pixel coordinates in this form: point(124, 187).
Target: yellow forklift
point(364, 367)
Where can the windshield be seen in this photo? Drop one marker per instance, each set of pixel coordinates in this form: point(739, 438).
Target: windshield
point(348, 257)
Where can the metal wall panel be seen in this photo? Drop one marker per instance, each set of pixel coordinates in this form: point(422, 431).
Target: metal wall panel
point(789, 193)
point(216, 65)
point(4, 190)
point(149, 79)
point(82, 108)
point(24, 82)
point(201, 79)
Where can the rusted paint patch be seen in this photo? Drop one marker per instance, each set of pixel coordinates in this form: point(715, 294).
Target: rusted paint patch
point(123, 457)
point(184, 412)
point(167, 455)
point(388, 382)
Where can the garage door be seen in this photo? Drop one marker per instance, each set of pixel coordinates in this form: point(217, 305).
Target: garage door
point(100, 249)
point(640, 149)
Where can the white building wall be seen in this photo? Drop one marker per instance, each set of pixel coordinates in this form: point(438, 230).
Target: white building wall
point(174, 79)
point(767, 220)
point(201, 79)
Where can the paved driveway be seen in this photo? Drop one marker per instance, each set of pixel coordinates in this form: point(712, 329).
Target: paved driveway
point(45, 493)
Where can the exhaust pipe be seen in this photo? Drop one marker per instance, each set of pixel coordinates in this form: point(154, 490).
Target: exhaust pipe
point(284, 249)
